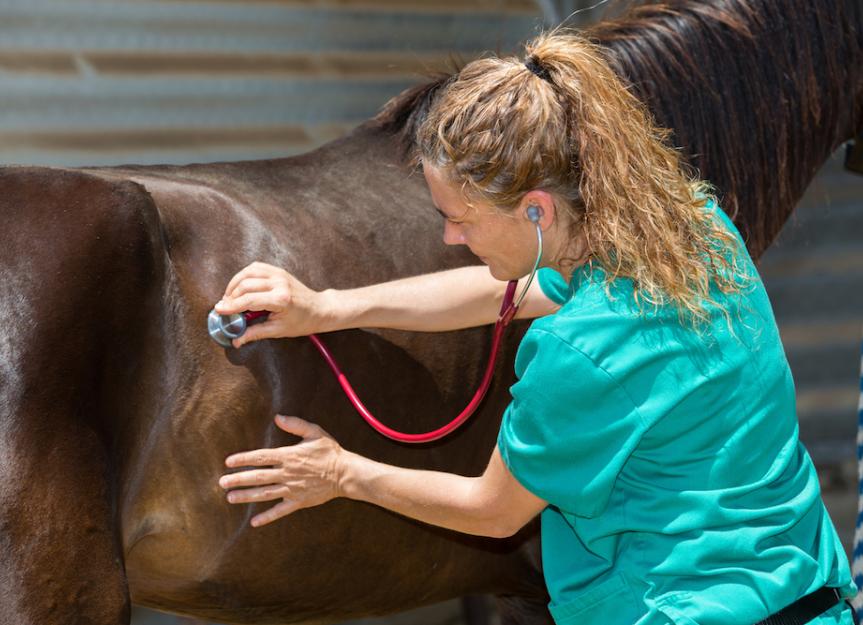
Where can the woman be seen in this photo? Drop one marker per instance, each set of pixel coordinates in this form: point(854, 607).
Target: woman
point(653, 422)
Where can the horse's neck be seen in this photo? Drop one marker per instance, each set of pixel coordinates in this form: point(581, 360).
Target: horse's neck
point(759, 94)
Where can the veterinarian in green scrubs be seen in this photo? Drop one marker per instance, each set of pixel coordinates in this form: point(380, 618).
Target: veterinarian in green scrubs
point(653, 423)
point(669, 460)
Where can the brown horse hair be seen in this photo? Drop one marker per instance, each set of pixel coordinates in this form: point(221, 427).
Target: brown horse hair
point(758, 93)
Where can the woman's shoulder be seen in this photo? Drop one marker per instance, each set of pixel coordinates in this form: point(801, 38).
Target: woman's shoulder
point(587, 297)
point(604, 321)
point(602, 315)
point(713, 206)
point(589, 324)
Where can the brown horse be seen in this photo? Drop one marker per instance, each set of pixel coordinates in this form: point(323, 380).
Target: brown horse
point(117, 410)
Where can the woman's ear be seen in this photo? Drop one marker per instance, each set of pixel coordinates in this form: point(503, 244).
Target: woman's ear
point(538, 207)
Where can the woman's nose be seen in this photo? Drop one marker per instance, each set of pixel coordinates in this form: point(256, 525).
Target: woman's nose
point(452, 234)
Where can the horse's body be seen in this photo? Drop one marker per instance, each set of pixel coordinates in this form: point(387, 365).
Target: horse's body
point(117, 410)
point(113, 273)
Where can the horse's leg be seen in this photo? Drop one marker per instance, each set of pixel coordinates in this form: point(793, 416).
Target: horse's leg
point(476, 610)
point(75, 261)
point(531, 606)
point(522, 611)
point(60, 562)
point(511, 610)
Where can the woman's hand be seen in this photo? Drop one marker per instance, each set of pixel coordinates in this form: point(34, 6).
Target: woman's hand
point(295, 309)
point(301, 476)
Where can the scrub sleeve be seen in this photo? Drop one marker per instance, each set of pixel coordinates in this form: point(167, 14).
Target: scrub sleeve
point(678, 490)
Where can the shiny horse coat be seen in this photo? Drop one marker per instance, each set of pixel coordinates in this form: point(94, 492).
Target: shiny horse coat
point(117, 410)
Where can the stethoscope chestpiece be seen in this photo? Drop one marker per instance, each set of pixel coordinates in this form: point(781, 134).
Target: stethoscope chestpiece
point(225, 328)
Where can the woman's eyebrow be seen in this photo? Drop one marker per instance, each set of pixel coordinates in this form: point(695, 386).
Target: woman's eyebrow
point(455, 220)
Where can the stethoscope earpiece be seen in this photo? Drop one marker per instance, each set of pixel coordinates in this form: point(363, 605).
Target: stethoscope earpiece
point(534, 213)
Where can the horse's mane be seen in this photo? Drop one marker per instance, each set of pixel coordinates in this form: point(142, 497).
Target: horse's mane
point(403, 114)
point(750, 88)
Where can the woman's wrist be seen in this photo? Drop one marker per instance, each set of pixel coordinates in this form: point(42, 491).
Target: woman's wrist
point(364, 479)
point(347, 468)
point(339, 311)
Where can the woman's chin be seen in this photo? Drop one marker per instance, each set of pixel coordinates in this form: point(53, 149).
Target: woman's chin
point(498, 274)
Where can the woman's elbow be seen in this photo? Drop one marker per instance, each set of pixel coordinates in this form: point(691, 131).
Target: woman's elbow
point(504, 527)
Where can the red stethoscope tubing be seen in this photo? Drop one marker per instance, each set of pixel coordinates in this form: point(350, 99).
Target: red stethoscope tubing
point(507, 312)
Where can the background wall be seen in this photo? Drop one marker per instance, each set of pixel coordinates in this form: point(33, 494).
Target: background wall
point(145, 81)
point(176, 81)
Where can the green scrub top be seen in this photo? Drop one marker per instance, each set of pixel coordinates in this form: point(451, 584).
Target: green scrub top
point(678, 490)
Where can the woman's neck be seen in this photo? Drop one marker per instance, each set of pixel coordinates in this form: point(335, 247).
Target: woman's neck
point(565, 252)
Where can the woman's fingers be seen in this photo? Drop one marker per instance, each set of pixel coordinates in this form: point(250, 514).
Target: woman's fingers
point(265, 300)
point(262, 493)
point(251, 285)
point(276, 512)
point(308, 472)
point(251, 299)
point(256, 458)
point(255, 270)
point(255, 477)
point(258, 331)
point(295, 309)
point(299, 427)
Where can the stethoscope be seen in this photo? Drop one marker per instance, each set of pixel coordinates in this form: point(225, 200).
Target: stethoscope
point(225, 328)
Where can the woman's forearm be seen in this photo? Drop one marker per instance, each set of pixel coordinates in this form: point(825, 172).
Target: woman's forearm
point(318, 469)
point(447, 300)
point(443, 499)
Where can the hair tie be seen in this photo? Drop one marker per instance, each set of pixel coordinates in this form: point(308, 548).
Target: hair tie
point(533, 65)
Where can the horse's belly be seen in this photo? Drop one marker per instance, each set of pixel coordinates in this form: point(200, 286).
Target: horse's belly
point(331, 563)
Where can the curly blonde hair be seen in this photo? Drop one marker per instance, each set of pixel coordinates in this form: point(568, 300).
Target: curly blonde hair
point(571, 127)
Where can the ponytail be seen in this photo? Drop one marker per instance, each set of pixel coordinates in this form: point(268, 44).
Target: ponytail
point(562, 121)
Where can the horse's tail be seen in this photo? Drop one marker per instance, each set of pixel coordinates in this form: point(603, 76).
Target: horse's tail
point(79, 260)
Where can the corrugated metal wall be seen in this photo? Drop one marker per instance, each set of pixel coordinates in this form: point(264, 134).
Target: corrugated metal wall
point(101, 82)
point(814, 275)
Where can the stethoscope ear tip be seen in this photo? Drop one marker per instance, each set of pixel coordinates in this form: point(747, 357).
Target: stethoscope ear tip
point(538, 256)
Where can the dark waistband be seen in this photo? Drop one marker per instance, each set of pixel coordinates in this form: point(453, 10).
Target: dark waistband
point(805, 608)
